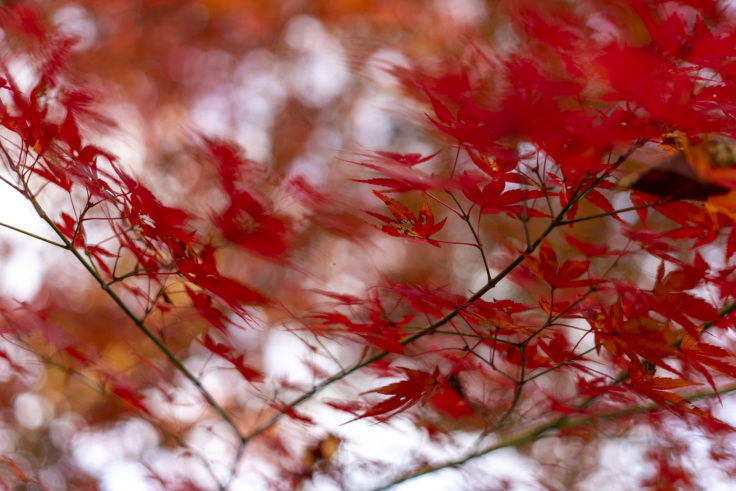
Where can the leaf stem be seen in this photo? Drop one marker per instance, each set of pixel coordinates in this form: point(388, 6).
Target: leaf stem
point(534, 433)
point(132, 316)
point(100, 389)
point(615, 212)
point(490, 284)
point(466, 218)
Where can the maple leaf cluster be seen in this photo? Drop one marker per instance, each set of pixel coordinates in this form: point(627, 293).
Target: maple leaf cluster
point(554, 264)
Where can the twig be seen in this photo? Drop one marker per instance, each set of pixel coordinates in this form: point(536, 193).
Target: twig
point(534, 433)
point(616, 212)
point(139, 323)
point(29, 234)
point(490, 284)
point(466, 218)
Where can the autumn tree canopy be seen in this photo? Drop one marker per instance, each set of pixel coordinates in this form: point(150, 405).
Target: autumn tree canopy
point(367, 245)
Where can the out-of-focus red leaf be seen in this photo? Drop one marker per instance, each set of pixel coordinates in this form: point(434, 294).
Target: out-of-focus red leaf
point(597, 198)
point(402, 395)
point(670, 300)
point(227, 352)
point(292, 413)
point(351, 407)
point(449, 400)
point(378, 329)
point(247, 223)
point(662, 383)
point(398, 173)
point(202, 270)
point(131, 397)
point(590, 250)
point(155, 220)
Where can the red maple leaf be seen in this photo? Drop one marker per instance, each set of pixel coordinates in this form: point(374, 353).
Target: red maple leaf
point(398, 171)
point(558, 275)
point(402, 395)
point(405, 224)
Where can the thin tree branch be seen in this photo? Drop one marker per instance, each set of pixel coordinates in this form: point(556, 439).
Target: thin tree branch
point(616, 212)
point(139, 323)
point(450, 315)
point(466, 218)
point(534, 433)
point(100, 389)
point(29, 234)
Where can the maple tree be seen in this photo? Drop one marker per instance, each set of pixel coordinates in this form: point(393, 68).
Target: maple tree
point(540, 256)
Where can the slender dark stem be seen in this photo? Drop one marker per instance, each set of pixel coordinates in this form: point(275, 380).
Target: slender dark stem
point(466, 218)
point(100, 389)
point(558, 316)
point(534, 433)
point(429, 329)
point(561, 364)
point(722, 312)
point(490, 284)
point(616, 212)
point(133, 317)
point(29, 234)
point(570, 421)
point(517, 393)
point(475, 335)
point(493, 366)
